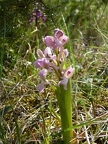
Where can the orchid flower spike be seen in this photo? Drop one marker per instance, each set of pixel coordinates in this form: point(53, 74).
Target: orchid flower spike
point(53, 59)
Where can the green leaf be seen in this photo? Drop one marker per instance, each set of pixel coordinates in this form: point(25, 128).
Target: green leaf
point(5, 110)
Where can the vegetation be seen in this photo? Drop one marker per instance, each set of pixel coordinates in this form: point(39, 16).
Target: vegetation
point(29, 117)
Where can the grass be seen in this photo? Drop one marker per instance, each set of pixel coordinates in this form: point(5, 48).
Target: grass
point(32, 119)
point(27, 117)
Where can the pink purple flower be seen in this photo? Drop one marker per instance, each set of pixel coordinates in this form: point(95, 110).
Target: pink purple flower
point(60, 37)
point(53, 59)
point(41, 86)
point(58, 40)
point(42, 63)
point(42, 73)
point(37, 14)
point(68, 73)
point(63, 82)
point(58, 33)
point(48, 52)
point(49, 41)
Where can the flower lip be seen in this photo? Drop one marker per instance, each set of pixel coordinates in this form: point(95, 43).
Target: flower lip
point(63, 39)
point(66, 75)
point(40, 87)
point(63, 82)
point(42, 63)
point(42, 73)
point(69, 72)
point(66, 52)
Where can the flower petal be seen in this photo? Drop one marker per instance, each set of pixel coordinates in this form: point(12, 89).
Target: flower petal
point(66, 52)
point(47, 51)
point(58, 33)
point(42, 74)
point(58, 43)
point(40, 87)
point(49, 41)
point(63, 82)
point(69, 72)
point(40, 54)
point(42, 63)
point(63, 39)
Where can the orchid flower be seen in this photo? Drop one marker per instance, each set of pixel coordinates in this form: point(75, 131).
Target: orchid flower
point(49, 41)
point(41, 87)
point(66, 52)
point(54, 60)
point(58, 33)
point(36, 15)
point(42, 73)
point(58, 40)
point(68, 74)
point(60, 37)
point(47, 51)
point(42, 63)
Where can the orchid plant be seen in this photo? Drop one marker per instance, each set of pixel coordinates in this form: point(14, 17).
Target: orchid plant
point(54, 60)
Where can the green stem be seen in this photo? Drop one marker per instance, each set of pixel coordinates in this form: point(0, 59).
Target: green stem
point(65, 104)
